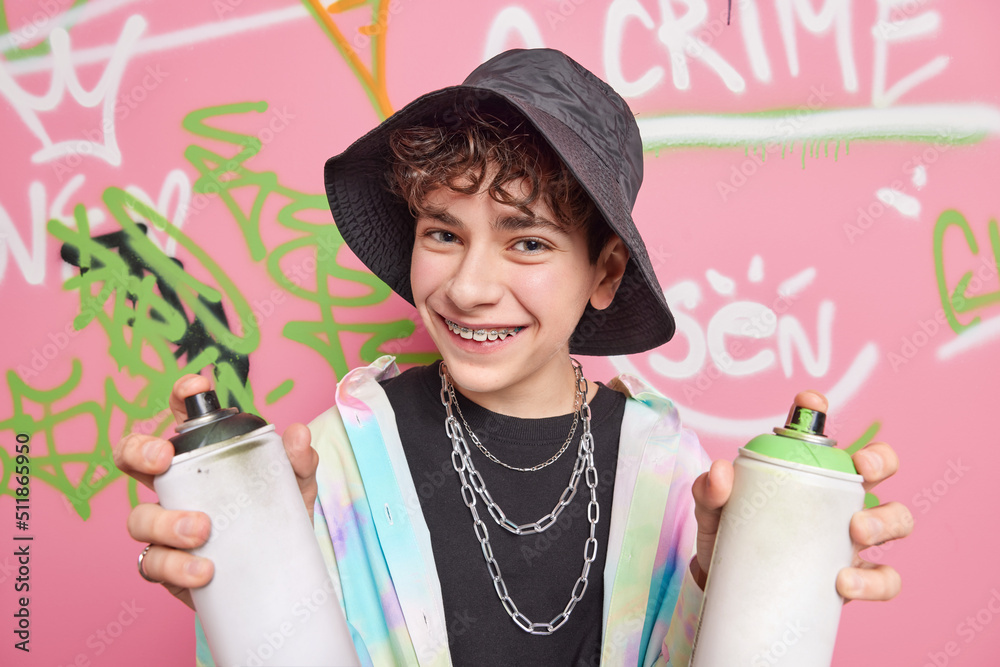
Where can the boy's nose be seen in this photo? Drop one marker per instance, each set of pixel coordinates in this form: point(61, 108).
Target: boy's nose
point(475, 282)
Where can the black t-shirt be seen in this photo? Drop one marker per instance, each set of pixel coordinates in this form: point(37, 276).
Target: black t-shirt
point(539, 570)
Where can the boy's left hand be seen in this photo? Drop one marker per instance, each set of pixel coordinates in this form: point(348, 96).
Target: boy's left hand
point(875, 462)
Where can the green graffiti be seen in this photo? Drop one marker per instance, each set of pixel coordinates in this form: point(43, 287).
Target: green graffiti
point(27, 33)
point(864, 438)
point(77, 473)
point(140, 298)
point(279, 391)
point(153, 312)
point(150, 294)
point(324, 335)
point(219, 175)
point(318, 248)
point(957, 301)
point(786, 126)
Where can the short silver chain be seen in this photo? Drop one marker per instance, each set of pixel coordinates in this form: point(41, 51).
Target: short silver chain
point(461, 459)
point(580, 398)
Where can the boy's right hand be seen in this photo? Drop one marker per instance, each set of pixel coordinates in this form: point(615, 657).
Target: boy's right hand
point(142, 457)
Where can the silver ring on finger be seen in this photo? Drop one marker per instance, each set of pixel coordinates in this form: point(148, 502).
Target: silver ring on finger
point(142, 572)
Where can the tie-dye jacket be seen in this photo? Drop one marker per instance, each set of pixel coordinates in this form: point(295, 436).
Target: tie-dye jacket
point(378, 549)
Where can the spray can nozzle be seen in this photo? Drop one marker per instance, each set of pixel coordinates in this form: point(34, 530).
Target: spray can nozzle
point(209, 423)
point(806, 424)
point(201, 404)
point(805, 420)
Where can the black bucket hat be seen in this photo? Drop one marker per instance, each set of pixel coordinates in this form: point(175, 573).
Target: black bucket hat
point(587, 124)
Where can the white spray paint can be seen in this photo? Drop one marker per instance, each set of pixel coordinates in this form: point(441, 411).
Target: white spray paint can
point(271, 601)
point(771, 597)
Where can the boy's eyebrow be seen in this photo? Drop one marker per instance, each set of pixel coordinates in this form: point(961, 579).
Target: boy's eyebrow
point(446, 218)
point(505, 223)
point(519, 222)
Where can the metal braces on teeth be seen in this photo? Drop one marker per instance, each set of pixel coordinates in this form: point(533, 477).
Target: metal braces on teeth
point(481, 334)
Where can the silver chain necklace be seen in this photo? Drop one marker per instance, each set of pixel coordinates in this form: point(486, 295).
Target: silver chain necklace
point(578, 402)
point(461, 459)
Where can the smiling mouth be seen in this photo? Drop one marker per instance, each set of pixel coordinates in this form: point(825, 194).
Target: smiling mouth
point(481, 335)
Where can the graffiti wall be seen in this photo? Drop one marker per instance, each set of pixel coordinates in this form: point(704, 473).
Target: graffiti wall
point(820, 206)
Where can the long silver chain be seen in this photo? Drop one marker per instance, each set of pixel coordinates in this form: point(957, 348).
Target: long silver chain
point(580, 398)
point(461, 459)
point(477, 483)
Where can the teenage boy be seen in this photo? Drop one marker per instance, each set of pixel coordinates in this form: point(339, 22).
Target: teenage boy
point(496, 507)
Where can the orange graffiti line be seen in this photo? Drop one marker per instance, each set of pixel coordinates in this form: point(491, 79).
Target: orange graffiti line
point(344, 5)
point(376, 83)
point(383, 24)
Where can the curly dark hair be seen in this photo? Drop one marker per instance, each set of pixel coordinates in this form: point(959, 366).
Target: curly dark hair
point(500, 146)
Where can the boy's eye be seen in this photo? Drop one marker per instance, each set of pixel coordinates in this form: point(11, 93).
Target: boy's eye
point(442, 236)
point(530, 246)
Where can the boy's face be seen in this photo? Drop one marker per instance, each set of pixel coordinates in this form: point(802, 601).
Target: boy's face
point(484, 266)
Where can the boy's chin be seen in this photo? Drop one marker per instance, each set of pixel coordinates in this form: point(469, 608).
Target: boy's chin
point(472, 378)
point(489, 375)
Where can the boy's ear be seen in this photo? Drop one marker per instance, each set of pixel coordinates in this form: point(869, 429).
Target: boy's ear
point(611, 267)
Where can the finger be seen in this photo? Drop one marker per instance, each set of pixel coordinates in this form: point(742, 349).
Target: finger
point(151, 523)
point(304, 460)
point(142, 457)
point(890, 521)
point(876, 462)
point(187, 385)
point(177, 569)
point(711, 490)
point(302, 456)
point(813, 400)
point(868, 582)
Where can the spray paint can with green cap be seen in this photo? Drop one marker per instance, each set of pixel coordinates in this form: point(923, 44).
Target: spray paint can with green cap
point(771, 596)
point(271, 600)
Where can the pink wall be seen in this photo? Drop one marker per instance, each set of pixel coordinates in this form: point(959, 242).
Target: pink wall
point(796, 185)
